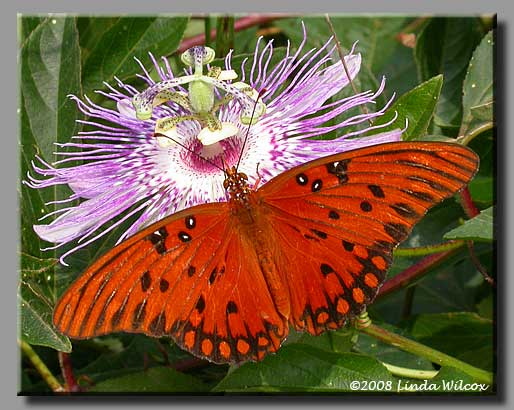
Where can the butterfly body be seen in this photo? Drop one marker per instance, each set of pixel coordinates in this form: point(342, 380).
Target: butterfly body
point(309, 249)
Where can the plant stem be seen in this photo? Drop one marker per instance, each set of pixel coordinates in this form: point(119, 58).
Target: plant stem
point(207, 31)
point(466, 139)
point(478, 265)
point(45, 373)
point(428, 250)
point(224, 35)
point(467, 203)
point(67, 372)
point(364, 109)
point(471, 211)
point(413, 26)
point(418, 349)
point(240, 24)
point(408, 302)
point(415, 271)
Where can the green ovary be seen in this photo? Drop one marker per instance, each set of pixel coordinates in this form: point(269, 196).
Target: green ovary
point(201, 96)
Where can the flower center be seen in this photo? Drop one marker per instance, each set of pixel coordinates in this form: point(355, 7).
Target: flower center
point(210, 158)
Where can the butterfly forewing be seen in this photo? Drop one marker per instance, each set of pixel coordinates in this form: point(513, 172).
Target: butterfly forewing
point(105, 297)
point(190, 277)
point(339, 218)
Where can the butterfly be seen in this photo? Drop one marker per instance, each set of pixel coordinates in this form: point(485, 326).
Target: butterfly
point(308, 250)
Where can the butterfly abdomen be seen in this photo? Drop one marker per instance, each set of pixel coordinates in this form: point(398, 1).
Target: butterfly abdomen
point(256, 230)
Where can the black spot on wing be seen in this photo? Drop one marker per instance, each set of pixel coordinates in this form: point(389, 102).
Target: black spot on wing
point(396, 231)
point(200, 305)
point(319, 234)
point(231, 307)
point(348, 245)
point(158, 324)
point(191, 271)
point(163, 285)
point(115, 320)
point(376, 191)
point(146, 281)
point(405, 210)
point(190, 222)
point(212, 277)
point(158, 239)
point(339, 169)
point(139, 315)
point(184, 236)
point(302, 179)
point(326, 269)
point(333, 215)
point(317, 185)
point(423, 196)
point(433, 184)
point(366, 206)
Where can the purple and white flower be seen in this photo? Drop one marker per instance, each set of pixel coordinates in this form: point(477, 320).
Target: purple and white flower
point(127, 171)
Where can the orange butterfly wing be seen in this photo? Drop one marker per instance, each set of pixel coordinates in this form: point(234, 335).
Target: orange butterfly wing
point(337, 219)
point(329, 226)
point(189, 276)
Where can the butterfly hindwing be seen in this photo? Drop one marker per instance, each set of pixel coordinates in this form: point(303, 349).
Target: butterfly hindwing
point(236, 319)
point(339, 218)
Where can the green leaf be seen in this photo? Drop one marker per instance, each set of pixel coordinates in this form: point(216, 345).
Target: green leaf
point(36, 307)
point(154, 380)
point(486, 307)
point(50, 71)
point(26, 25)
point(466, 336)
point(479, 228)
point(32, 203)
point(417, 106)
point(91, 30)
point(483, 112)
point(31, 265)
point(121, 354)
point(482, 187)
point(131, 37)
point(339, 341)
point(478, 84)
point(444, 46)
point(301, 368)
point(400, 71)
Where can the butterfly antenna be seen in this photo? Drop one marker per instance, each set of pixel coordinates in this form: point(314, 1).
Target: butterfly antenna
point(224, 165)
point(190, 150)
point(261, 93)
